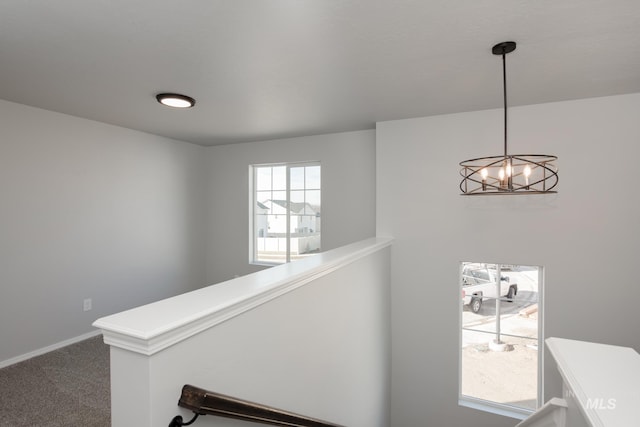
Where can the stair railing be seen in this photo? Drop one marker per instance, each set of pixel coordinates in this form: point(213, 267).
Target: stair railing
point(204, 402)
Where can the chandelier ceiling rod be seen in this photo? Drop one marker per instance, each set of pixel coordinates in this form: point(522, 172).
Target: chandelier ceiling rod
point(502, 49)
point(504, 96)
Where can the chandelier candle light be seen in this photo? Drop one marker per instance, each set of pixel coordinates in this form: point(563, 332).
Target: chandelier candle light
point(508, 173)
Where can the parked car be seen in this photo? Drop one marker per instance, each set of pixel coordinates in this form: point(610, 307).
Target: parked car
point(479, 283)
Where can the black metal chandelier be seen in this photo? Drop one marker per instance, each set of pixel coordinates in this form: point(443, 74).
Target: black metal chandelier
point(508, 173)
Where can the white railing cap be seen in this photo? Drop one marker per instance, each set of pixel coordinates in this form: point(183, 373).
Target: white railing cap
point(153, 327)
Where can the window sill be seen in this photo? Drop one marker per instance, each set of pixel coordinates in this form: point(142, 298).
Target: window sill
point(494, 408)
point(265, 264)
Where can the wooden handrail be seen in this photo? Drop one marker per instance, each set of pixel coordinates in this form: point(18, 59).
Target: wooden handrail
point(204, 402)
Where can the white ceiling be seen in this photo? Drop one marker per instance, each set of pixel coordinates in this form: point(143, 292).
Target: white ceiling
point(265, 69)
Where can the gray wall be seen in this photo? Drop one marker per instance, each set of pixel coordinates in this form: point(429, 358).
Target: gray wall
point(587, 237)
point(122, 217)
point(348, 194)
point(95, 211)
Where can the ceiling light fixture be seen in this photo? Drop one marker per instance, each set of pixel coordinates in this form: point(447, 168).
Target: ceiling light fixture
point(508, 173)
point(175, 100)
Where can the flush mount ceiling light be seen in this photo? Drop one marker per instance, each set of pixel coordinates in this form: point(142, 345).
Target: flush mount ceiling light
point(508, 173)
point(175, 100)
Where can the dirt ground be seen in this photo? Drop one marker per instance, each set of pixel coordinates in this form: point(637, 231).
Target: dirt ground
point(501, 376)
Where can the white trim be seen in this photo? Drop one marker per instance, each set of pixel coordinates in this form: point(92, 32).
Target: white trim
point(494, 408)
point(542, 307)
point(288, 209)
point(554, 410)
point(50, 348)
point(154, 327)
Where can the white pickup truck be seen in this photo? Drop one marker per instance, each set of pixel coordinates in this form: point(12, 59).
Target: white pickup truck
point(479, 283)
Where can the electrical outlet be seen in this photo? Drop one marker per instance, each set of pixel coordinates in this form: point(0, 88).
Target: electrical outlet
point(87, 304)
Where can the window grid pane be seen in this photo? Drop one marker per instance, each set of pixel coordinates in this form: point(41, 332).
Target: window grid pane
point(296, 178)
point(263, 178)
point(279, 178)
point(312, 177)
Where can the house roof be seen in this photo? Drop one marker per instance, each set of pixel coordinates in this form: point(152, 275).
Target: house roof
point(272, 69)
point(295, 207)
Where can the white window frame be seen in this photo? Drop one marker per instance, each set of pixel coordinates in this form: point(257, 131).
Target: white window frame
point(253, 250)
point(496, 407)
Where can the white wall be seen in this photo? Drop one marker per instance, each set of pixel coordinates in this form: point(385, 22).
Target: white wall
point(90, 210)
point(348, 193)
point(320, 345)
point(587, 237)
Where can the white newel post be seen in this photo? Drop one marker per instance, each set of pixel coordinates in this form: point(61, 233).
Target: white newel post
point(599, 386)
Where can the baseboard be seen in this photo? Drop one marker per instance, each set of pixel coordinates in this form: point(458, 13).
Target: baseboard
point(41, 351)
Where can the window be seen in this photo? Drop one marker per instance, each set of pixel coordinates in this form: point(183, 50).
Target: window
point(501, 338)
point(285, 219)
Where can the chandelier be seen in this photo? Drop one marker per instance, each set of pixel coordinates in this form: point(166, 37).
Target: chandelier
point(508, 173)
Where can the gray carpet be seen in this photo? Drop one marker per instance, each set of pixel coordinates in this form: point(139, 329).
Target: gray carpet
point(63, 388)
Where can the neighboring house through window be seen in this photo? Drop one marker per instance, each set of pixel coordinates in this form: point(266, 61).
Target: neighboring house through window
point(285, 217)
